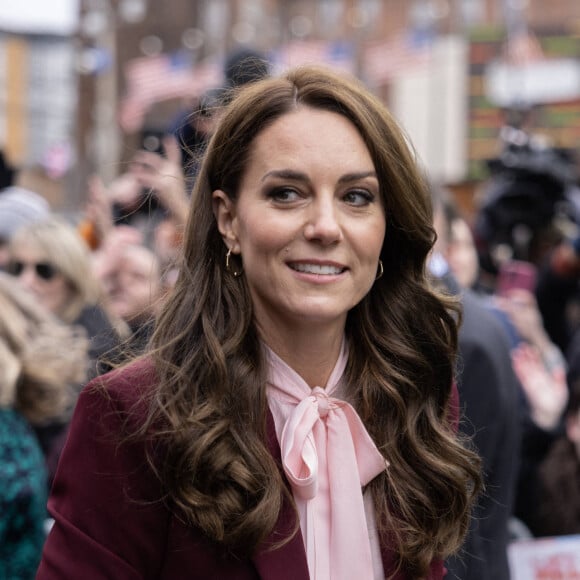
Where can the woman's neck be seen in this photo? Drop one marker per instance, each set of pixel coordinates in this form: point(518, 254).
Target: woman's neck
point(311, 353)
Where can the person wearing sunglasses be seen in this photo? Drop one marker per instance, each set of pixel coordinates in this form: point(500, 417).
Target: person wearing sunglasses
point(51, 261)
point(47, 283)
point(43, 270)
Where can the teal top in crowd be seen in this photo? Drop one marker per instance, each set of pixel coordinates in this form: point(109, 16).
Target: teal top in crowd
point(22, 498)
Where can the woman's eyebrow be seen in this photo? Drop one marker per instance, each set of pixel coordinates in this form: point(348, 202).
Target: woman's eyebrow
point(299, 176)
point(356, 176)
point(285, 174)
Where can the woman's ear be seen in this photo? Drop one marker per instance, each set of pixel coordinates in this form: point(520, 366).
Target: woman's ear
point(224, 211)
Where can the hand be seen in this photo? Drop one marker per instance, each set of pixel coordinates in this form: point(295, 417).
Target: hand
point(164, 176)
point(98, 210)
point(546, 392)
point(125, 191)
point(522, 309)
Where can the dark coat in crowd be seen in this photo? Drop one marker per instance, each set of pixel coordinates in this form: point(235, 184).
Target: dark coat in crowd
point(488, 391)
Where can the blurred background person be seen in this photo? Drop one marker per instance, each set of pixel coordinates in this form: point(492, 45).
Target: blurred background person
point(553, 487)
point(558, 292)
point(40, 360)
point(538, 363)
point(543, 397)
point(531, 186)
point(130, 274)
point(488, 395)
point(150, 196)
point(161, 176)
point(193, 128)
point(18, 207)
point(243, 66)
point(50, 260)
point(460, 252)
point(107, 238)
point(528, 210)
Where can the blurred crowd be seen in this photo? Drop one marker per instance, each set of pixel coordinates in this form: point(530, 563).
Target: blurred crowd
point(78, 297)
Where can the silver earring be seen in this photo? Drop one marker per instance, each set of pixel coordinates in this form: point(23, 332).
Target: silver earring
point(234, 273)
point(380, 271)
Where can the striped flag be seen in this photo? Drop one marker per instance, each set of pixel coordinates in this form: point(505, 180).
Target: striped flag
point(153, 79)
point(384, 60)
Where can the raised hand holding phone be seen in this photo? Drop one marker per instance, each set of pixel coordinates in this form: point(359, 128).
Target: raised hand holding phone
point(518, 275)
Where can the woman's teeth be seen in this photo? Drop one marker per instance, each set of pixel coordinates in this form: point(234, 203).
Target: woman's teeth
point(323, 270)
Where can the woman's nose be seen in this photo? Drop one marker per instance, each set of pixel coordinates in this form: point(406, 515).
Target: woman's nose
point(323, 223)
point(27, 277)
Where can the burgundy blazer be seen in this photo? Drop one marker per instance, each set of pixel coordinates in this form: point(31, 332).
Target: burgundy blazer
point(109, 520)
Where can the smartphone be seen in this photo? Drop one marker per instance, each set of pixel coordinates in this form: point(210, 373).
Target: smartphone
point(516, 274)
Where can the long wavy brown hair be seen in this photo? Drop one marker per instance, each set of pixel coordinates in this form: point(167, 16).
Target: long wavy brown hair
point(210, 404)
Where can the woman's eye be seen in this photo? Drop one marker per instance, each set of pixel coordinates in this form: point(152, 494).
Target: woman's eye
point(283, 194)
point(359, 197)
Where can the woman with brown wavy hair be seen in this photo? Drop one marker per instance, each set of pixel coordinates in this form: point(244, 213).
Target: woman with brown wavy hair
point(295, 415)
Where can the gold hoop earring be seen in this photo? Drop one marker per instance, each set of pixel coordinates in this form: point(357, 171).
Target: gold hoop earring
point(381, 270)
point(234, 273)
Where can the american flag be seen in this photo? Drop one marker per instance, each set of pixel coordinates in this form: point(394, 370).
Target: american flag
point(153, 79)
point(385, 60)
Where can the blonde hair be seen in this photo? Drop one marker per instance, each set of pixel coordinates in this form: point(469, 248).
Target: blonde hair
point(41, 359)
point(63, 247)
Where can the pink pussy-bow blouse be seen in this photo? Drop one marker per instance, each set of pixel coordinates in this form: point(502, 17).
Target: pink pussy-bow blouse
point(328, 457)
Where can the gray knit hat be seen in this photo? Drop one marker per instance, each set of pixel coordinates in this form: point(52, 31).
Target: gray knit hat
point(19, 207)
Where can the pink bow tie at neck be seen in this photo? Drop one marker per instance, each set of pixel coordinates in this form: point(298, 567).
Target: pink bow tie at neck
point(328, 457)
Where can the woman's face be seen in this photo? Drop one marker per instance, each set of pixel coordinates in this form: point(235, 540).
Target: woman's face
point(40, 277)
point(308, 222)
point(462, 255)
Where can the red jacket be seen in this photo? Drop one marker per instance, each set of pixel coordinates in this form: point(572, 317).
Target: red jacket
point(110, 523)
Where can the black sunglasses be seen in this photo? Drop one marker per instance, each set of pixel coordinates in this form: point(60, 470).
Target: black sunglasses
point(42, 269)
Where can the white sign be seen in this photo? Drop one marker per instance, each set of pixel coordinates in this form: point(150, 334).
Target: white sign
point(555, 558)
point(544, 81)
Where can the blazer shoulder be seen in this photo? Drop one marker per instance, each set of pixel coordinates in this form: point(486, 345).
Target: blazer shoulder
point(126, 385)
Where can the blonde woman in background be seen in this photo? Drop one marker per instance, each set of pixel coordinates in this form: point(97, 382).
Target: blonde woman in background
point(51, 261)
point(40, 358)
